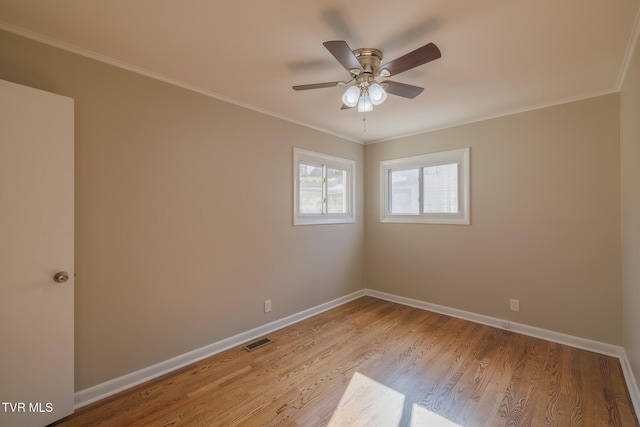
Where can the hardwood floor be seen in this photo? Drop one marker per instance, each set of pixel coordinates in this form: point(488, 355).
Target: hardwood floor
point(376, 363)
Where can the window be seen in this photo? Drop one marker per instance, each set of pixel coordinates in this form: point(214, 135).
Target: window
point(324, 188)
point(431, 188)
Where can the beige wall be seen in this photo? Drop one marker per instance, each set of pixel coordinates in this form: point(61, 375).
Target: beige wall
point(184, 215)
point(545, 222)
point(630, 185)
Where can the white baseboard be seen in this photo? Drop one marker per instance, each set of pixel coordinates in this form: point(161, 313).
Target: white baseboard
point(532, 331)
point(111, 387)
point(632, 385)
point(582, 343)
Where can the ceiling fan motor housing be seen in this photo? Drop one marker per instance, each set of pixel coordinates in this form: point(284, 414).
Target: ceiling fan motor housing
point(369, 59)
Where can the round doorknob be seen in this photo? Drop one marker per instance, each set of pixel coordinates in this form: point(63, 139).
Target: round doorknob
point(61, 276)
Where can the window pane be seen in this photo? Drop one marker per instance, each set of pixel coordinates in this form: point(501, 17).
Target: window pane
point(405, 190)
point(310, 189)
point(441, 189)
point(337, 197)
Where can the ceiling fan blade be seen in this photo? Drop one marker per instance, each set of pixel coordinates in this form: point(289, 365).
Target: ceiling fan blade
point(336, 21)
point(420, 56)
point(342, 52)
point(401, 89)
point(318, 85)
point(411, 35)
point(345, 107)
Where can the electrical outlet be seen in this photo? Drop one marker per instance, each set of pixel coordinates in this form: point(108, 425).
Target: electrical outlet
point(514, 305)
point(267, 306)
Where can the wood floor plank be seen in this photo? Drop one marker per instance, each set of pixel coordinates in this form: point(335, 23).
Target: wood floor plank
point(373, 362)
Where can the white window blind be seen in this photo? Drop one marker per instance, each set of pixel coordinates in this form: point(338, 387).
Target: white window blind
point(440, 189)
point(429, 188)
point(324, 188)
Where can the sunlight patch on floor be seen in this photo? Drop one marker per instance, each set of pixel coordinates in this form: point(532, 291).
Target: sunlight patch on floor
point(423, 417)
point(366, 402)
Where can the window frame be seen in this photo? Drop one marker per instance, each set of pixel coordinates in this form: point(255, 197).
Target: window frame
point(328, 162)
point(459, 156)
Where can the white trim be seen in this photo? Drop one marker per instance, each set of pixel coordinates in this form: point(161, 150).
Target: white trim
point(630, 379)
point(459, 156)
point(506, 113)
point(633, 40)
point(111, 387)
point(41, 38)
point(324, 160)
point(532, 331)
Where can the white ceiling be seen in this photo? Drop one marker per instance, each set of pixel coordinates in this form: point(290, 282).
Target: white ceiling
point(498, 56)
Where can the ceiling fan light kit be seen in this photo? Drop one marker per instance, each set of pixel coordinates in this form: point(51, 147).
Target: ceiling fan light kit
point(377, 93)
point(364, 67)
point(351, 96)
point(364, 104)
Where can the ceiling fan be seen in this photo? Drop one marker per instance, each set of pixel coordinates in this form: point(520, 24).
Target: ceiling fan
point(364, 66)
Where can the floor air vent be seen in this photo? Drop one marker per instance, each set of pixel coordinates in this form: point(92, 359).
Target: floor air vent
point(257, 344)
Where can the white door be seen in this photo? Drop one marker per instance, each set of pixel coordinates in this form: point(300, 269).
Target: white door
point(36, 242)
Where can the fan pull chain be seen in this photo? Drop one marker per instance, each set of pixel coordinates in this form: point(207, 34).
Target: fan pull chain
point(364, 122)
